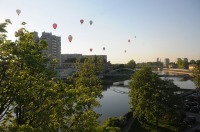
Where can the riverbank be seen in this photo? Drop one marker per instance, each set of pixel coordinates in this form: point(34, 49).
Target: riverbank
point(178, 71)
point(107, 80)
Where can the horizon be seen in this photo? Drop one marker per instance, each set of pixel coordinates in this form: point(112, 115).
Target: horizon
point(167, 29)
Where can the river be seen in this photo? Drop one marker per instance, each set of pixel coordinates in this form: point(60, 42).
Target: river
point(115, 101)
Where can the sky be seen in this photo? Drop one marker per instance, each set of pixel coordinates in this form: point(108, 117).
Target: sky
point(163, 28)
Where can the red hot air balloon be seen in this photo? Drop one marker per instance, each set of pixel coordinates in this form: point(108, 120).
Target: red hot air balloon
point(129, 40)
point(18, 11)
point(54, 25)
point(91, 22)
point(70, 38)
point(90, 49)
point(81, 21)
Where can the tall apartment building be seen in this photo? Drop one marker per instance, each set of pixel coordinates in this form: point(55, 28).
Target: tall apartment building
point(54, 46)
point(166, 62)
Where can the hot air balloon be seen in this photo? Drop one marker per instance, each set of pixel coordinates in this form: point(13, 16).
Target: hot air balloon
point(54, 25)
point(91, 22)
point(129, 40)
point(135, 36)
point(90, 49)
point(125, 51)
point(81, 21)
point(18, 11)
point(103, 48)
point(70, 38)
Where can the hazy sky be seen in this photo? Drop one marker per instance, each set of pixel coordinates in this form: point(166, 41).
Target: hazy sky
point(163, 28)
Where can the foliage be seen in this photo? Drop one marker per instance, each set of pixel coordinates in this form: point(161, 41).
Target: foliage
point(192, 62)
point(198, 62)
point(150, 64)
point(182, 64)
point(131, 64)
point(88, 87)
point(152, 98)
point(196, 74)
point(112, 124)
point(31, 99)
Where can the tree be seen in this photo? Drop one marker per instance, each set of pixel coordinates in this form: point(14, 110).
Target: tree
point(151, 98)
point(192, 62)
point(31, 99)
point(198, 62)
point(196, 74)
point(88, 88)
point(182, 64)
point(131, 64)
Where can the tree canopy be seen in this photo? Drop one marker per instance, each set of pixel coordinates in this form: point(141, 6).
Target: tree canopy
point(196, 74)
point(131, 64)
point(182, 64)
point(152, 98)
point(32, 99)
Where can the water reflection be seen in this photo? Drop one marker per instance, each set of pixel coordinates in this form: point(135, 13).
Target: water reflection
point(115, 102)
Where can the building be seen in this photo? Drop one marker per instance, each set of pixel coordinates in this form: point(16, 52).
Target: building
point(192, 66)
point(54, 46)
point(70, 57)
point(166, 62)
point(157, 60)
point(68, 63)
point(36, 37)
point(103, 58)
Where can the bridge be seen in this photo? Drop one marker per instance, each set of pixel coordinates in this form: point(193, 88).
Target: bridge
point(121, 72)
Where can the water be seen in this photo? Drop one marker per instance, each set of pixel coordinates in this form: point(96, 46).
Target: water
point(115, 101)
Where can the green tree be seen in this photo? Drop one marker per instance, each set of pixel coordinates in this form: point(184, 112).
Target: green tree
point(152, 99)
point(196, 74)
point(192, 62)
point(198, 62)
point(88, 88)
point(31, 99)
point(182, 64)
point(131, 64)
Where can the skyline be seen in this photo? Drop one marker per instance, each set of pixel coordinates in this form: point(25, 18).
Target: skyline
point(167, 29)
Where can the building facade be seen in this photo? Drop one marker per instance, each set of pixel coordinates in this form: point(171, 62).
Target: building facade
point(166, 62)
point(54, 46)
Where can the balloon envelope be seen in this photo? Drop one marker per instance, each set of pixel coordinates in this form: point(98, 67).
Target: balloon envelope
point(81, 21)
point(90, 49)
point(70, 38)
point(103, 48)
point(54, 25)
point(18, 11)
point(91, 22)
point(129, 40)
